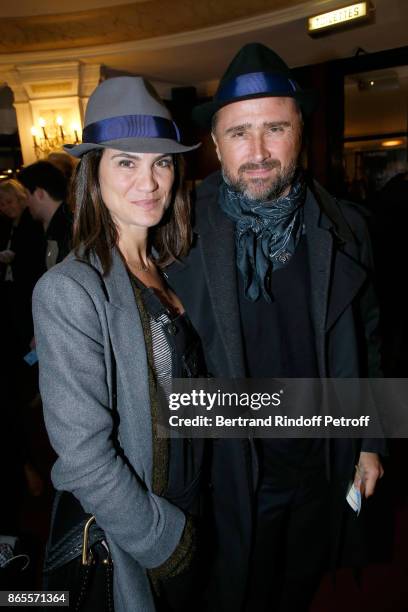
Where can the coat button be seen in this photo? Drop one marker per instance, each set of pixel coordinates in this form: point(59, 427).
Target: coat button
point(172, 329)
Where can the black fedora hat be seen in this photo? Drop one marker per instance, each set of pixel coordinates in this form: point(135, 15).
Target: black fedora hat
point(255, 72)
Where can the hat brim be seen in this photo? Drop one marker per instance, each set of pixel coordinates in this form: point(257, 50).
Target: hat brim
point(203, 114)
point(133, 145)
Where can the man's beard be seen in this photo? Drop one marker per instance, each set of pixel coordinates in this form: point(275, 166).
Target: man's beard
point(262, 189)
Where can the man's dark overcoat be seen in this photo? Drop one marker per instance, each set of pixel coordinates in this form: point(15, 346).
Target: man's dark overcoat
point(345, 316)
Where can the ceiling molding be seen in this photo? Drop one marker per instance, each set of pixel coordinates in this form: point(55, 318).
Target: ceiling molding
point(30, 8)
point(232, 28)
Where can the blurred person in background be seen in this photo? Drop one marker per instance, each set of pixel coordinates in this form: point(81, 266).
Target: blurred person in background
point(64, 162)
point(46, 188)
point(22, 262)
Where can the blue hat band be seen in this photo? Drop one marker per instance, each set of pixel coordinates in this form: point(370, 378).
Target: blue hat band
point(130, 126)
point(254, 83)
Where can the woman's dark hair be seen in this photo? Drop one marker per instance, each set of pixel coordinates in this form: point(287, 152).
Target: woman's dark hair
point(95, 231)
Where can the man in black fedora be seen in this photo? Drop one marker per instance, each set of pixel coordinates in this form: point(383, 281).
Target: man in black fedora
point(278, 285)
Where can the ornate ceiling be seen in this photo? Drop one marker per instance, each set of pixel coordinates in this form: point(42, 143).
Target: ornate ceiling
point(144, 19)
point(181, 42)
point(26, 8)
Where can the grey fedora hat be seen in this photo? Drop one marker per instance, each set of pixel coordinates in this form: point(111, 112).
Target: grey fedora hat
point(125, 113)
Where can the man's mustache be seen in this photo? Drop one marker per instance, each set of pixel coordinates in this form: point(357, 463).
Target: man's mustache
point(266, 165)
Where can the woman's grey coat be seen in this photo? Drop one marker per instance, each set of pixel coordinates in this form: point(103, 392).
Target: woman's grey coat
point(84, 325)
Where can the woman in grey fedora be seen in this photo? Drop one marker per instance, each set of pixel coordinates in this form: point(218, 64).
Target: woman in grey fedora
point(110, 335)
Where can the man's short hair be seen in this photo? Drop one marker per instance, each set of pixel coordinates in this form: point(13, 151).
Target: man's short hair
point(44, 175)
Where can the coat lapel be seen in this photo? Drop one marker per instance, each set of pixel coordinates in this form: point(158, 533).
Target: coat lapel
point(217, 245)
point(320, 251)
point(128, 345)
point(349, 279)
point(335, 277)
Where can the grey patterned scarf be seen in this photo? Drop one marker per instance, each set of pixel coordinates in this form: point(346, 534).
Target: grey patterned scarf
point(266, 234)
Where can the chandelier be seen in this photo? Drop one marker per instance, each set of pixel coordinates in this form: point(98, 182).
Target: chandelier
point(52, 135)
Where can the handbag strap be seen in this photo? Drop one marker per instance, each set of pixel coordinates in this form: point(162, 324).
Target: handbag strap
point(66, 541)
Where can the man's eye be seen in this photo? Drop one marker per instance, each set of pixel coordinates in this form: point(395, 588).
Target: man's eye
point(276, 129)
point(126, 163)
point(238, 134)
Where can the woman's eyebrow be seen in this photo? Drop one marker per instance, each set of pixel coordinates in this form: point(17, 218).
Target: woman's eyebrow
point(128, 155)
point(137, 157)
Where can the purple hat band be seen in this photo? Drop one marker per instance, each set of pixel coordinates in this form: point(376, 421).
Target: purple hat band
point(130, 126)
point(254, 83)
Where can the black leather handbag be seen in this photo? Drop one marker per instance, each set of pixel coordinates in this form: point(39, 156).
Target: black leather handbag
point(78, 559)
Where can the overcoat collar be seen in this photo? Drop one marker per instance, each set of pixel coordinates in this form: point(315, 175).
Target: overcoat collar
point(336, 272)
point(335, 277)
point(116, 281)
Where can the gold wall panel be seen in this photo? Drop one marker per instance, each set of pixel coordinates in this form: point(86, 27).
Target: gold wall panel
point(122, 23)
point(55, 87)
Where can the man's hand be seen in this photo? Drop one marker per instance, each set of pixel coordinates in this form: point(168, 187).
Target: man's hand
point(368, 471)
